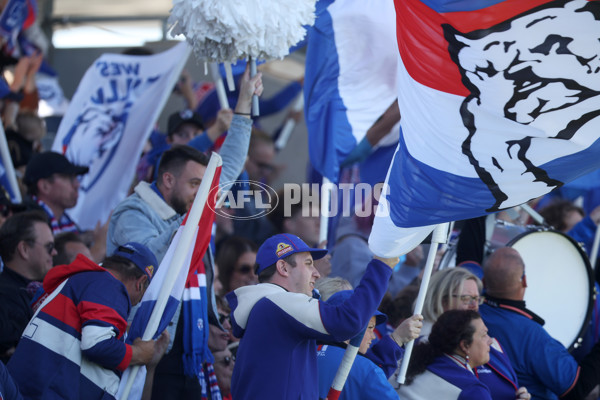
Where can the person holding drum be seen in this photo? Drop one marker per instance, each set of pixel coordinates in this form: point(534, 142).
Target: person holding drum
point(445, 366)
point(541, 362)
point(459, 289)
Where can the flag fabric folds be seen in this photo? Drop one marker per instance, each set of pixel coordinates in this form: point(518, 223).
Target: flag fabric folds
point(350, 78)
point(500, 104)
point(108, 121)
point(190, 287)
point(17, 16)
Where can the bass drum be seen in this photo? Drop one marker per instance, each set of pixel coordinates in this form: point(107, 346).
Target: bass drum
point(560, 286)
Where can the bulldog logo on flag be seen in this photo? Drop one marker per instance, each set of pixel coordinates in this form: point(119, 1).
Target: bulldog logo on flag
point(500, 104)
point(537, 71)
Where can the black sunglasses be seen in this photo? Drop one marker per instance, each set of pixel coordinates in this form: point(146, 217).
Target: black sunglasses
point(48, 246)
point(222, 318)
point(226, 361)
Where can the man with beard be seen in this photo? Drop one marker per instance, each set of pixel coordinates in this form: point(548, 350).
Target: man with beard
point(154, 212)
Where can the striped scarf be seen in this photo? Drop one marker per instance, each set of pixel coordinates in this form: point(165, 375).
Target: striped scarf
point(195, 302)
point(215, 393)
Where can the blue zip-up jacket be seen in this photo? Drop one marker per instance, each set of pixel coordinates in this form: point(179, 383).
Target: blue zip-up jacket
point(365, 380)
point(277, 356)
point(542, 364)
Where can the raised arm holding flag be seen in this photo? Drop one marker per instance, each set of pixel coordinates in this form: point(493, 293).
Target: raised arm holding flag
point(500, 105)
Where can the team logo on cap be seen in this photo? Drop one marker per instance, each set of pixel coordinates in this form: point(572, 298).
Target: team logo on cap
point(186, 114)
point(150, 270)
point(283, 248)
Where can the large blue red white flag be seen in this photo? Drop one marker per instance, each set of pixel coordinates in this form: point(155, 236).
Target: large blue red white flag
point(109, 119)
point(16, 16)
point(190, 285)
point(350, 78)
point(500, 104)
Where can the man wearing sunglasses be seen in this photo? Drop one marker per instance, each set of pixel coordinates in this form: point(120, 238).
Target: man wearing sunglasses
point(26, 248)
point(279, 320)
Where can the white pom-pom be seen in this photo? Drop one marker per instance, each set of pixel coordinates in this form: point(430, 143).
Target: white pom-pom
point(227, 30)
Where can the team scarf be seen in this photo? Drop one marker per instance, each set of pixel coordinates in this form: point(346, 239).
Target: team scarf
point(195, 302)
point(215, 392)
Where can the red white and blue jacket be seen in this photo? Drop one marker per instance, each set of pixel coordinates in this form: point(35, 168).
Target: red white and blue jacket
point(73, 347)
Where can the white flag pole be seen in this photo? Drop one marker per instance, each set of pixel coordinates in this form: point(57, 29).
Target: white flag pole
point(532, 213)
point(255, 109)
point(8, 165)
point(290, 124)
point(595, 246)
point(440, 235)
point(343, 371)
point(219, 86)
point(179, 257)
point(229, 76)
point(326, 188)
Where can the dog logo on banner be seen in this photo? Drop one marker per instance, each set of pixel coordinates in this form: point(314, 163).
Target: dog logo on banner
point(95, 135)
point(533, 71)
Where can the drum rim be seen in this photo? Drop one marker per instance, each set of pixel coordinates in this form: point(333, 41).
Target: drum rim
point(588, 268)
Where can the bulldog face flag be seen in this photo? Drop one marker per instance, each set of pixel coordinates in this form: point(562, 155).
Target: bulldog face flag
point(500, 104)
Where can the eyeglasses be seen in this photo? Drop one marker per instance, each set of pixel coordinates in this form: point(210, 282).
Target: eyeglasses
point(48, 246)
point(226, 361)
point(244, 269)
point(223, 318)
point(466, 299)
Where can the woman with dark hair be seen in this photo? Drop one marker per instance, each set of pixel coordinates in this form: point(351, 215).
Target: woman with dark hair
point(459, 289)
point(445, 366)
point(236, 259)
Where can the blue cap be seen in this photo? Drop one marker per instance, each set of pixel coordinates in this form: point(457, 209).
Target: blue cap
point(473, 267)
point(140, 256)
point(280, 246)
point(343, 295)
